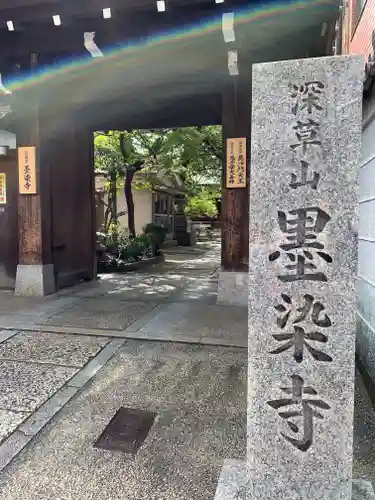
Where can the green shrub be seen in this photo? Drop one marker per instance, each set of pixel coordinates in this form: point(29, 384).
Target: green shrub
point(136, 248)
point(123, 237)
point(116, 238)
point(156, 233)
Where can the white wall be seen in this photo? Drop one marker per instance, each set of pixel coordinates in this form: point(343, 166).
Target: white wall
point(366, 252)
point(142, 208)
point(142, 205)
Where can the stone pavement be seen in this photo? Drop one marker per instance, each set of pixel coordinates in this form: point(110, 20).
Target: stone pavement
point(174, 301)
point(49, 348)
point(39, 373)
point(154, 340)
point(198, 393)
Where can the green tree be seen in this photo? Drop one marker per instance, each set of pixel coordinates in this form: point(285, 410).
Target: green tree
point(119, 156)
point(202, 204)
point(192, 153)
point(109, 164)
point(201, 154)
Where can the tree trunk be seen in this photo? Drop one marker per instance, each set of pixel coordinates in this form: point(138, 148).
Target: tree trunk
point(111, 211)
point(113, 204)
point(107, 219)
point(129, 200)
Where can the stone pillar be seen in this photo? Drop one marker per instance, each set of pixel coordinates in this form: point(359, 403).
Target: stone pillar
point(236, 120)
point(306, 135)
point(35, 270)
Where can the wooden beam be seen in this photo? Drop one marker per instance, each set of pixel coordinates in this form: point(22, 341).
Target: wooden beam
point(34, 214)
point(193, 111)
point(293, 33)
point(66, 39)
point(98, 4)
point(236, 121)
point(69, 37)
point(94, 8)
point(159, 91)
point(14, 4)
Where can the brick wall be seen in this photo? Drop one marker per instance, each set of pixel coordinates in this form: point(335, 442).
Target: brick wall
point(361, 42)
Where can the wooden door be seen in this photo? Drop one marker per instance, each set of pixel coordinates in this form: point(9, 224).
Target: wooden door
point(73, 207)
point(8, 220)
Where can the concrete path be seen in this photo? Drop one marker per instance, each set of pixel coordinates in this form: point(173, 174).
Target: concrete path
point(174, 301)
point(154, 340)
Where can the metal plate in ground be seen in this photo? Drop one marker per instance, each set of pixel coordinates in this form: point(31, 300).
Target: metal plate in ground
point(126, 431)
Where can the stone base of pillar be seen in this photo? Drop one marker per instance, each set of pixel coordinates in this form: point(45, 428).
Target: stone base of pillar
point(232, 481)
point(234, 485)
point(233, 288)
point(35, 280)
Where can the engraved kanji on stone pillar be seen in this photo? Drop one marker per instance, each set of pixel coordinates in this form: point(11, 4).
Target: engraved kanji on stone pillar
point(302, 301)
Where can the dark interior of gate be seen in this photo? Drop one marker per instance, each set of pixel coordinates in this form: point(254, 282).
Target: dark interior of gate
point(155, 70)
point(8, 223)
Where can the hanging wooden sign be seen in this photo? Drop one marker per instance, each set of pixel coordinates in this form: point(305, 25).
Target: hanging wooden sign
point(3, 189)
point(27, 170)
point(236, 163)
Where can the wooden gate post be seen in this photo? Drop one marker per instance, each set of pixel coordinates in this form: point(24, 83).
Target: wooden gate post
point(35, 270)
point(236, 122)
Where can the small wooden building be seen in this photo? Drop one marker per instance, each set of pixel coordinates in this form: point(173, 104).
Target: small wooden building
point(156, 205)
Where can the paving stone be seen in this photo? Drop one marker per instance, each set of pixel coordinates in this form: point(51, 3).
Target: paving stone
point(11, 447)
point(199, 319)
point(106, 305)
point(163, 336)
point(73, 330)
point(198, 371)
point(232, 481)
point(9, 303)
point(234, 484)
point(7, 334)
point(73, 350)
point(9, 421)
point(146, 288)
point(143, 320)
point(43, 414)
point(93, 366)
point(96, 315)
point(238, 341)
point(202, 289)
point(24, 386)
point(182, 456)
